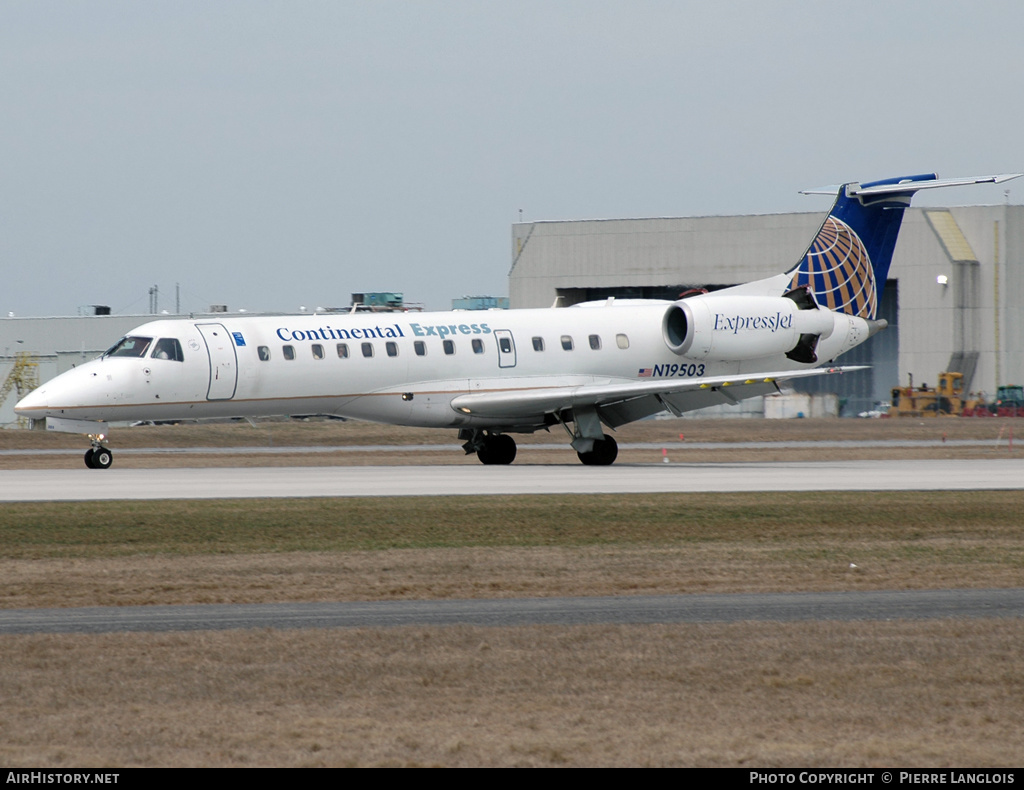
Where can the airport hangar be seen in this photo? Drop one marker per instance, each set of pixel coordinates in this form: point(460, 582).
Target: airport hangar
point(954, 298)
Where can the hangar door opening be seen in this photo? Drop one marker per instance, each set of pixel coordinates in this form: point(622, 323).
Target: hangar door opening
point(861, 390)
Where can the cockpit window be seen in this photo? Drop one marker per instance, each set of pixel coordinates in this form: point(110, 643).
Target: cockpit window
point(130, 347)
point(168, 348)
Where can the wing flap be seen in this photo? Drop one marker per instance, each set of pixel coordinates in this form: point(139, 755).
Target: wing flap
point(620, 401)
point(616, 414)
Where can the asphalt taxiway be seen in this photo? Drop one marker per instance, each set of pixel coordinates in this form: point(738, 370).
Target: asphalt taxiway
point(632, 610)
point(351, 481)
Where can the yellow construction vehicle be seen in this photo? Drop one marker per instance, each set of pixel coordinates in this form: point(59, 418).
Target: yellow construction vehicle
point(946, 400)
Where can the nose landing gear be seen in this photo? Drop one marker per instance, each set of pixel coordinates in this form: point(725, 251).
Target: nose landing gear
point(99, 456)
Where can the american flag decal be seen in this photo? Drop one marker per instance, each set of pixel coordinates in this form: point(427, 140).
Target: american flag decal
point(645, 373)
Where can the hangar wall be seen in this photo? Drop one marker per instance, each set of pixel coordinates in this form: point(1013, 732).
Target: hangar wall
point(547, 256)
point(934, 327)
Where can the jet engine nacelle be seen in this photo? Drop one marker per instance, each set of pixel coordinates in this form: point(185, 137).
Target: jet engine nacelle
point(736, 328)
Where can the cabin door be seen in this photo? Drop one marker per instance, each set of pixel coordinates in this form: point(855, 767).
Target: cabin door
point(223, 363)
point(506, 348)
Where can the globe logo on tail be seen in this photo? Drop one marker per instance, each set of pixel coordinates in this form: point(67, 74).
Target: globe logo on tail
point(839, 271)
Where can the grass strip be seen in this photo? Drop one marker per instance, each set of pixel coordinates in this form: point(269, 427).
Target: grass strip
point(211, 527)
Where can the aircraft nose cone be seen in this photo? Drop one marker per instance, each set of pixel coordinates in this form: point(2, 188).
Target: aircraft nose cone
point(32, 403)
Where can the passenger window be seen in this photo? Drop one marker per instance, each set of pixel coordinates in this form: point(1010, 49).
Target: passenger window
point(318, 351)
point(420, 347)
point(168, 348)
point(288, 351)
point(505, 344)
point(449, 347)
point(264, 353)
point(367, 350)
point(342, 350)
point(567, 342)
point(478, 346)
point(595, 342)
point(392, 348)
point(622, 341)
point(538, 344)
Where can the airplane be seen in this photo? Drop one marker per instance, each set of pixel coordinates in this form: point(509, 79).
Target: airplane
point(491, 374)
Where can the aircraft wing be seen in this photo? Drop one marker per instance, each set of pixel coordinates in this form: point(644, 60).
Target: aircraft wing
point(618, 404)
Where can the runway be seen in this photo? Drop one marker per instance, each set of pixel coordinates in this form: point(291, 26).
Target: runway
point(633, 610)
point(53, 485)
point(362, 481)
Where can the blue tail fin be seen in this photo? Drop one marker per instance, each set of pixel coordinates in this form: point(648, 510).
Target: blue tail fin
point(848, 261)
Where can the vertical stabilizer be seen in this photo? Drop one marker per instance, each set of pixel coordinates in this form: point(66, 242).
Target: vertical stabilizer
point(848, 260)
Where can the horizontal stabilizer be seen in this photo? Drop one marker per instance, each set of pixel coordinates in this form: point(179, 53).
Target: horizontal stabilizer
point(908, 186)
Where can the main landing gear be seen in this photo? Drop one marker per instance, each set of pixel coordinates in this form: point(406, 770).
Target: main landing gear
point(497, 449)
point(490, 448)
point(603, 453)
point(593, 446)
point(500, 448)
point(99, 456)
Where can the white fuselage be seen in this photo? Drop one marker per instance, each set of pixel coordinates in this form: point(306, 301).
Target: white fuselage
point(406, 368)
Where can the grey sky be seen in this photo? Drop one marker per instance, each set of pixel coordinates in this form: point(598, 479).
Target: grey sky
point(268, 155)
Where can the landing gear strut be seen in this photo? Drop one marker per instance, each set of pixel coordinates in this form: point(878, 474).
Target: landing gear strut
point(99, 456)
point(592, 445)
